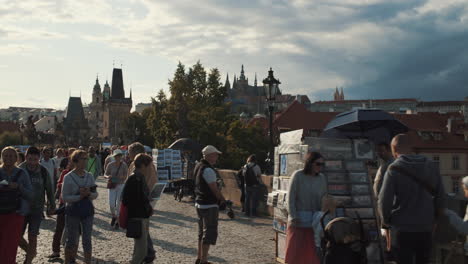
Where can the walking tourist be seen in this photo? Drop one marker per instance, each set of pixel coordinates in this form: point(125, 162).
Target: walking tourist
point(60, 223)
point(41, 186)
point(461, 225)
point(384, 152)
point(151, 178)
point(110, 158)
point(410, 200)
point(135, 197)
point(59, 156)
point(207, 201)
point(78, 191)
point(307, 187)
point(14, 182)
point(116, 174)
point(48, 163)
point(94, 163)
point(251, 173)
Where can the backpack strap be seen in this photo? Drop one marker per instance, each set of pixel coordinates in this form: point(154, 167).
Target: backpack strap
point(426, 186)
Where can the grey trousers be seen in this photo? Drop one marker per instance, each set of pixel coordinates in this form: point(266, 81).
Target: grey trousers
point(140, 248)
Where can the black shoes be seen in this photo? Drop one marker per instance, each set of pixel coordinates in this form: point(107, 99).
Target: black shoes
point(113, 221)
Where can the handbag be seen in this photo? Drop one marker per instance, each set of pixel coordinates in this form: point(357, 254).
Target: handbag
point(110, 184)
point(123, 215)
point(10, 199)
point(134, 227)
point(81, 209)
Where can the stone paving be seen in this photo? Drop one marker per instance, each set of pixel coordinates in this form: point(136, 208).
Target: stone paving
point(174, 232)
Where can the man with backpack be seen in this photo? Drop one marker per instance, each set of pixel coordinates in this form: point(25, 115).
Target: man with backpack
point(41, 186)
point(411, 198)
point(252, 180)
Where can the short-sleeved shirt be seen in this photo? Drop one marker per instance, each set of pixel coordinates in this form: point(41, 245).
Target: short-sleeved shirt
point(50, 166)
point(209, 175)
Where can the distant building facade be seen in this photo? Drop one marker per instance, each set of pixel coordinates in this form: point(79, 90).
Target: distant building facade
point(248, 100)
point(109, 109)
point(139, 108)
point(398, 105)
point(75, 125)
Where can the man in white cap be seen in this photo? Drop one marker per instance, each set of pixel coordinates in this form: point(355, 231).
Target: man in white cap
point(207, 201)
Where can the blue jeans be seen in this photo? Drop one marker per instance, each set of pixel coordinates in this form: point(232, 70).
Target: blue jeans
point(73, 232)
point(251, 200)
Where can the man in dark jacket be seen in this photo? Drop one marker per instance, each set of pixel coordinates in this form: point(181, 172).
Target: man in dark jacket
point(207, 201)
point(411, 196)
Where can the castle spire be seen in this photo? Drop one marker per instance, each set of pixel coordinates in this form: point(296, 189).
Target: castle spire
point(342, 94)
point(242, 76)
point(255, 81)
point(227, 84)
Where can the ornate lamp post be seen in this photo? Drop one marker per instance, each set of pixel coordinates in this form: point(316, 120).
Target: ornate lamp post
point(271, 90)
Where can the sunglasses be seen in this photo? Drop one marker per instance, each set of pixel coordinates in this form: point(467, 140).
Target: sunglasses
point(320, 163)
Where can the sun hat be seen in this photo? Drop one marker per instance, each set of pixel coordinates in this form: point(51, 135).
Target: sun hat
point(209, 150)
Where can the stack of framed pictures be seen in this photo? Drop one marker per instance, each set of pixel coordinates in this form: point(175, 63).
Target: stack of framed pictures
point(348, 181)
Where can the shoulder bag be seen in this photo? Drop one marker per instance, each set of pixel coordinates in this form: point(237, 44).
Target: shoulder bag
point(110, 184)
point(82, 208)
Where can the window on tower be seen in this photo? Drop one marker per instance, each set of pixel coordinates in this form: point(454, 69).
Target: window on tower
point(97, 99)
point(97, 114)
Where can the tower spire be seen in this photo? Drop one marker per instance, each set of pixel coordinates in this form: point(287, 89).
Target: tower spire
point(255, 81)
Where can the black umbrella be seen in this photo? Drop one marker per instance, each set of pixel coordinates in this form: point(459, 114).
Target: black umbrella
point(186, 144)
point(375, 125)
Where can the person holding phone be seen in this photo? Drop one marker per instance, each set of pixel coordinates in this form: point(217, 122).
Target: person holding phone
point(14, 183)
point(78, 192)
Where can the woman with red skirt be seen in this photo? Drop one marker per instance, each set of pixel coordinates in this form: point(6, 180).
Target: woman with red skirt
point(15, 192)
point(306, 190)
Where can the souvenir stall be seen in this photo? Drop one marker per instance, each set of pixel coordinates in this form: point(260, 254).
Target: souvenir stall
point(348, 180)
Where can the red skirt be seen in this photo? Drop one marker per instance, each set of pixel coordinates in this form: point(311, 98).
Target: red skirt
point(300, 246)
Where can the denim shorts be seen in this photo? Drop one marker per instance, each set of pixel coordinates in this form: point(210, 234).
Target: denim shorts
point(33, 222)
point(208, 225)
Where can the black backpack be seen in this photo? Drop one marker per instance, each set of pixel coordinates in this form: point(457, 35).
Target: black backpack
point(250, 179)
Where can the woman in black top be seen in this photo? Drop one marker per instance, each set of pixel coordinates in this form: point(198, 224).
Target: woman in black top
point(135, 197)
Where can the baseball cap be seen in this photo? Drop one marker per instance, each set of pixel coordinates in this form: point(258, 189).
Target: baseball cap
point(210, 149)
point(117, 152)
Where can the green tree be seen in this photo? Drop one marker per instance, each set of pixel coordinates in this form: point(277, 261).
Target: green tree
point(9, 139)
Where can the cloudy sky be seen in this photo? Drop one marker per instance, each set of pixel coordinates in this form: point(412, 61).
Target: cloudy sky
point(373, 48)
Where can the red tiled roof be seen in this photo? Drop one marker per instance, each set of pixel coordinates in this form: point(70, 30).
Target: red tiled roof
point(7, 126)
point(441, 103)
point(296, 116)
point(367, 100)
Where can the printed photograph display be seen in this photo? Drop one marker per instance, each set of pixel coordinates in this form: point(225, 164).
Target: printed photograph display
point(331, 149)
point(337, 189)
point(355, 165)
point(343, 201)
point(359, 189)
point(362, 200)
point(336, 177)
point(363, 149)
point(332, 165)
point(360, 177)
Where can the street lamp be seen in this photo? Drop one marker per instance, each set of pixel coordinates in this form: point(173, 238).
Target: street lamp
point(271, 90)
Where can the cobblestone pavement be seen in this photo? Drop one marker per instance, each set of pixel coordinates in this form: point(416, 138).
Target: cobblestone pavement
point(174, 232)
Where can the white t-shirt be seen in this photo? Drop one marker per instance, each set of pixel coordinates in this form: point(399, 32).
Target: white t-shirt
point(57, 161)
point(210, 176)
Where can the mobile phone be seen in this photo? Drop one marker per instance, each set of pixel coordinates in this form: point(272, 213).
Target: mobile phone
point(93, 188)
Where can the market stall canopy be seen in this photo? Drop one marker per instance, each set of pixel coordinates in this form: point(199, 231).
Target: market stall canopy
point(373, 124)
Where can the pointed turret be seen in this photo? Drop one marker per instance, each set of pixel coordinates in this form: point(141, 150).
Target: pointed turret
point(342, 94)
point(130, 93)
point(227, 84)
point(242, 75)
point(106, 91)
point(97, 86)
point(117, 89)
point(234, 83)
point(255, 81)
point(336, 96)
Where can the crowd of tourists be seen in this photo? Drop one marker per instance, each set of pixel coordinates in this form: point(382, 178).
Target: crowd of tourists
point(408, 189)
point(67, 180)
